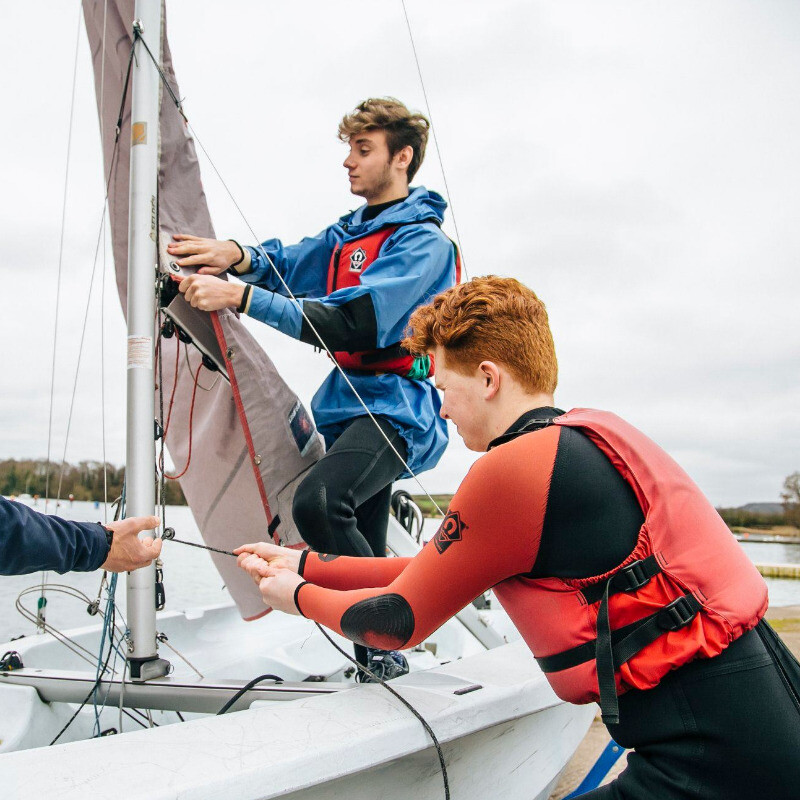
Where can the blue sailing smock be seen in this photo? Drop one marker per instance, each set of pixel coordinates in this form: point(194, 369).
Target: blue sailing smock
point(416, 262)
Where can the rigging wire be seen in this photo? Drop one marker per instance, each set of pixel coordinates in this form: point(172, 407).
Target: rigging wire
point(103, 283)
point(61, 259)
point(40, 618)
point(111, 168)
point(289, 292)
point(70, 644)
point(107, 630)
point(435, 140)
point(80, 347)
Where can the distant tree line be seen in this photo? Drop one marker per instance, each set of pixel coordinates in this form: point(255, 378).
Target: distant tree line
point(791, 499)
point(753, 518)
point(83, 480)
point(746, 518)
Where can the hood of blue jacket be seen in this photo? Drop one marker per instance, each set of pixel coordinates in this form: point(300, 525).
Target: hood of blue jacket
point(420, 205)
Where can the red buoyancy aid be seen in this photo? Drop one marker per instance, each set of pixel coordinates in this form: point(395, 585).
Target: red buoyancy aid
point(686, 591)
point(348, 263)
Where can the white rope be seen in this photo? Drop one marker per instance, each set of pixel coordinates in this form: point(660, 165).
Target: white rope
point(163, 639)
point(435, 141)
point(195, 378)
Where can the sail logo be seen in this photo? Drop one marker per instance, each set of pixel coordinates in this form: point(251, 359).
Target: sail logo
point(449, 531)
point(357, 259)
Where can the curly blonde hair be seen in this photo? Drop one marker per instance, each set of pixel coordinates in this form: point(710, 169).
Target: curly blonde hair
point(489, 319)
point(403, 128)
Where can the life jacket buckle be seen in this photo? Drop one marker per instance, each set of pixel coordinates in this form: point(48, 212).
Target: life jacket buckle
point(635, 576)
point(678, 614)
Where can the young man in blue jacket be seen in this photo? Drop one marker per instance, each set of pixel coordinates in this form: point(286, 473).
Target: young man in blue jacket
point(30, 541)
point(359, 280)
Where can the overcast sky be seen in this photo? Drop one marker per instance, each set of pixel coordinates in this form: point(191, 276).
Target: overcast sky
point(635, 163)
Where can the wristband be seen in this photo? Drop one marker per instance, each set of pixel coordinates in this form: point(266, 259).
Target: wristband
point(296, 591)
point(109, 534)
point(242, 307)
point(302, 565)
point(241, 255)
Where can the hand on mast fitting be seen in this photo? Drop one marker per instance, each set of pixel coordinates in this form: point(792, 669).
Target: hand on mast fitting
point(211, 256)
point(128, 552)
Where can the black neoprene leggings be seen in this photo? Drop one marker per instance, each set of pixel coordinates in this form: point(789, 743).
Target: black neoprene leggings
point(342, 505)
point(726, 728)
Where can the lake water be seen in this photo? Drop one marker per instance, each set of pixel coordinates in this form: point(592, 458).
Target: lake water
point(191, 579)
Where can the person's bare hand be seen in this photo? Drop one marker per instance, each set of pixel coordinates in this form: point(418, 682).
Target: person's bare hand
point(277, 589)
point(209, 293)
point(128, 552)
point(212, 256)
point(254, 566)
point(275, 556)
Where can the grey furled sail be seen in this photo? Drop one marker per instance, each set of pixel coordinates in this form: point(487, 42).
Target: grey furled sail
point(249, 437)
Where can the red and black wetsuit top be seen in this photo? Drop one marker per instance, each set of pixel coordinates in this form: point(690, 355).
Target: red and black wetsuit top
point(581, 523)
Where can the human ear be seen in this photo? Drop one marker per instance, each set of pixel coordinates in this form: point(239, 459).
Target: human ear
point(491, 377)
point(405, 155)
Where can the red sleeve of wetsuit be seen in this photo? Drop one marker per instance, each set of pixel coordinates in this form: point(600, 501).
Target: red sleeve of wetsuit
point(347, 572)
point(491, 532)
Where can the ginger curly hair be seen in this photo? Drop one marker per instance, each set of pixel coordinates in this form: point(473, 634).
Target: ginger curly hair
point(489, 319)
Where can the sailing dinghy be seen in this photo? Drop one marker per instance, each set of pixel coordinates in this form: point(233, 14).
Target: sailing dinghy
point(303, 728)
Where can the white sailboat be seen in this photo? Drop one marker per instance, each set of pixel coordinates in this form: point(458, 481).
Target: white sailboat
point(314, 733)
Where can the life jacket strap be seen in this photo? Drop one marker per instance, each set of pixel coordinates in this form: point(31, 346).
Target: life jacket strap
point(627, 579)
point(672, 617)
point(612, 648)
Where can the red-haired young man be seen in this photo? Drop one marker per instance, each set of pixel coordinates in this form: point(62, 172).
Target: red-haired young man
point(621, 577)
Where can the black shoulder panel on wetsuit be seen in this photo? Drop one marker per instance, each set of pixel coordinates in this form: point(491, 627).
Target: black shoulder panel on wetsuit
point(351, 326)
point(388, 616)
point(593, 518)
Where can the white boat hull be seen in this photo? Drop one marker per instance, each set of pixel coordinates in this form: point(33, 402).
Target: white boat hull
point(510, 735)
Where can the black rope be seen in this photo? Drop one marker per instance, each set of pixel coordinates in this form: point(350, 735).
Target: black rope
point(111, 647)
point(247, 687)
point(169, 536)
point(405, 702)
point(125, 89)
point(137, 35)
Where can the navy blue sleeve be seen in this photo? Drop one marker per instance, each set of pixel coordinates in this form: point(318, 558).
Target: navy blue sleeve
point(30, 542)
